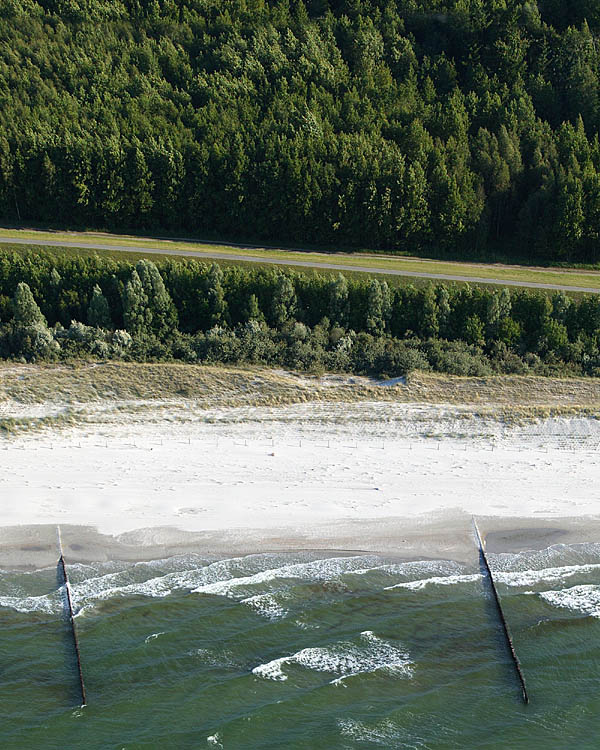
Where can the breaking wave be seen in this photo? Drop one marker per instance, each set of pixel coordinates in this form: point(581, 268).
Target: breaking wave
point(436, 581)
point(262, 582)
point(275, 585)
point(344, 658)
point(544, 575)
point(584, 599)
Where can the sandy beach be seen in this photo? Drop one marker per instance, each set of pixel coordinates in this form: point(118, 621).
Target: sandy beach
point(142, 479)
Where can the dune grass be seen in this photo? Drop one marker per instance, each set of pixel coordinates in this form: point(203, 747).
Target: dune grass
point(211, 386)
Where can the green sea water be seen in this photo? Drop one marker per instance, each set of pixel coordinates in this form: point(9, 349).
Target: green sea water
point(304, 650)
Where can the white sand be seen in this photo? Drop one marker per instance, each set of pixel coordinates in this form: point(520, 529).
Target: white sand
point(266, 468)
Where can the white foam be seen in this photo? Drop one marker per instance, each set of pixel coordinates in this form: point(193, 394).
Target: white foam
point(344, 658)
point(316, 570)
point(554, 556)
point(216, 658)
point(272, 670)
point(435, 581)
point(85, 592)
point(83, 610)
point(107, 586)
point(413, 567)
point(153, 636)
point(550, 575)
point(49, 603)
point(218, 578)
point(222, 577)
point(236, 578)
point(384, 733)
point(516, 578)
point(585, 599)
point(267, 606)
point(306, 625)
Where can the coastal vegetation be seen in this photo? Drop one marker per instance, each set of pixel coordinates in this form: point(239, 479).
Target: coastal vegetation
point(58, 395)
point(446, 127)
point(398, 269)
point(59, 307)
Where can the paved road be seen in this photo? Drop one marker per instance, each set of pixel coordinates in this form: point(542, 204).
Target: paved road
point(201, 255)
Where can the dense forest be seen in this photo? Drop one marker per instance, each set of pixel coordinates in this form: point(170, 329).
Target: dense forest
point(61, 307)
point(446, 126)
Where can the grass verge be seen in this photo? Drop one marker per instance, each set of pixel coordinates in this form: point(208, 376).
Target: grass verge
point(349, 261)
point(133, 257)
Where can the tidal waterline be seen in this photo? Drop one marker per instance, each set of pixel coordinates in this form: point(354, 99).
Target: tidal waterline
point(304, 650)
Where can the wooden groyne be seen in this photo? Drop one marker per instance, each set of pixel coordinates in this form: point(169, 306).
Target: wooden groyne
point(63, 567)
point(507, 635)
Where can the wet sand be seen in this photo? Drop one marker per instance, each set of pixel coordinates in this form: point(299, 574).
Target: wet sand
point(444, 535)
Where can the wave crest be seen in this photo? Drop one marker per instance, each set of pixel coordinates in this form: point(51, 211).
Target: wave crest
point(344, 658)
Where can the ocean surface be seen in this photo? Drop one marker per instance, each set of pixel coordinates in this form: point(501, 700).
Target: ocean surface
point(304, 650)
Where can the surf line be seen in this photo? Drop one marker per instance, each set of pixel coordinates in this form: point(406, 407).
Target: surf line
point(507, 635)
point(63, 567)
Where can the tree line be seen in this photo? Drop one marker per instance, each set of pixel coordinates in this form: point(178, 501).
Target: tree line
point(59, 307)
point(440, 126)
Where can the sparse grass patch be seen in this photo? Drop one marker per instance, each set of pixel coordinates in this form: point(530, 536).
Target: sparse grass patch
point(11, 426)
point(212, 386)
point(512, 392)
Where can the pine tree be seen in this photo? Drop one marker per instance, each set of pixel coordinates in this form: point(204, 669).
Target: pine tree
point(475, 330)
point(570, 218)
point(216, 295)
point(52, 296)
point(374, 318)
point(136, 315)
point(161, 314)
point(430, 326)
point(98, 313)
point(253, 311)
point(140, 185)
point(504, 303)
point(561, 304)
point(443, 310)
point(386, 304)
point(414, 217)
point(492, 315)
point(498, 307)
point(55, 278)
point(25, 308)
point(285, 304)
point(338, 301)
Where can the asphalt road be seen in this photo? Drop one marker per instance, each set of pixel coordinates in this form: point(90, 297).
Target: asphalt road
point(201, 255)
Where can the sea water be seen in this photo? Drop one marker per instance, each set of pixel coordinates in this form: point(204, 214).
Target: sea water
point(304, 650)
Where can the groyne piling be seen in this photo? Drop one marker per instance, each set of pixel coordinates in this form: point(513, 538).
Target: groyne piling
point(71, 615)
point(504, 623)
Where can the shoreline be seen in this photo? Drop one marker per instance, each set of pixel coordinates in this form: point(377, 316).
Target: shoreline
point(447, 535)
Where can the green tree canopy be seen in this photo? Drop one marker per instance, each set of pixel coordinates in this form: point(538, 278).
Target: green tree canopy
point(25, 308)
point(98, 311)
